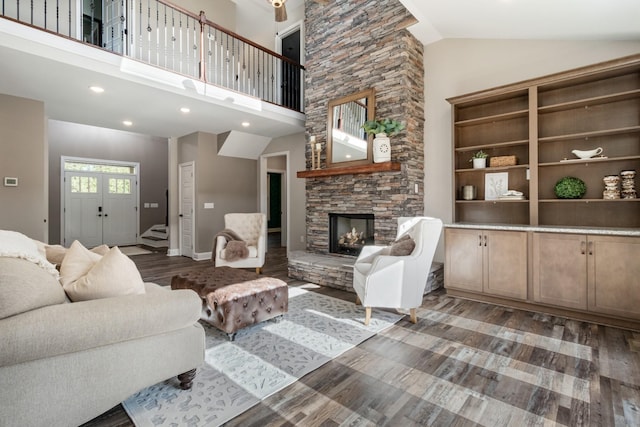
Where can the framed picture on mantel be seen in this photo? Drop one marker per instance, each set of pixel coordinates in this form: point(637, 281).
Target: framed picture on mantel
point(495, 185)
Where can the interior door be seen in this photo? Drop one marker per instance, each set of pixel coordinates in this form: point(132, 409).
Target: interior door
point(83, 208)
point(186, 188)
point(119, 210)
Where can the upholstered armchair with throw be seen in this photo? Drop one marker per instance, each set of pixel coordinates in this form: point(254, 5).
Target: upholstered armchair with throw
point(395, 276)
point(243, 242)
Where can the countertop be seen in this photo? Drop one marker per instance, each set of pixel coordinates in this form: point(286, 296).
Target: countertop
point(603, 231)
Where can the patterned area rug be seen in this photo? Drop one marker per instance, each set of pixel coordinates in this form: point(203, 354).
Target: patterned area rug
point(262, 360)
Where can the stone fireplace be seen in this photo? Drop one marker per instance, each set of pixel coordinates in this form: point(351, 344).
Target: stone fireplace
point(364, 47)
point(348, 233)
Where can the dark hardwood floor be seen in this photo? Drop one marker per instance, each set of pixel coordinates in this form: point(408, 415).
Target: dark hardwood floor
point(463, 364)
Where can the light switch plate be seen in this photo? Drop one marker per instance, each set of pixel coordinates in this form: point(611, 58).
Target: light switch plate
point(10, 181)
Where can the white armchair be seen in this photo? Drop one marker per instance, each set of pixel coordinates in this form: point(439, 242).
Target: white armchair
point(383, 279)
point(252, 229)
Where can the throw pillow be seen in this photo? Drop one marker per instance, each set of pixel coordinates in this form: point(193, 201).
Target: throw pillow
point(56, 253)
point(16, 245)
point(113, 275)
point(403, 246)
point(76, 263)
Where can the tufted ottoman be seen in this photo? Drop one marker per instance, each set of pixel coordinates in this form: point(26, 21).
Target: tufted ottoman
point(233, 298)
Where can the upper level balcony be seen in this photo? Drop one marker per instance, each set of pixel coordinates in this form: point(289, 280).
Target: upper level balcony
point(153, 42)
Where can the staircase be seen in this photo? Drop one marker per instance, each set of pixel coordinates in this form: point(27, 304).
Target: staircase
point(157, 237)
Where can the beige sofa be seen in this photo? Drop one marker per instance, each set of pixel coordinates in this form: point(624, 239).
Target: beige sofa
point(64, 363)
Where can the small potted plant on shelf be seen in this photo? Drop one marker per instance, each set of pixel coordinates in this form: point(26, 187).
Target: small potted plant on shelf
point(382, 129)
point(479, 160)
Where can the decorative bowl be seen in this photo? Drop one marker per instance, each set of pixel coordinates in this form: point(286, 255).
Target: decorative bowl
point(588, 153)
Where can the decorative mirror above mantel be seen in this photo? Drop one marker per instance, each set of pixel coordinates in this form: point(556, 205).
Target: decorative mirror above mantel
point(347, 142)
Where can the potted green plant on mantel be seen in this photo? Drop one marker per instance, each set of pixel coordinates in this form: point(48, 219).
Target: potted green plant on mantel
point(382, 129)
point(479, 160)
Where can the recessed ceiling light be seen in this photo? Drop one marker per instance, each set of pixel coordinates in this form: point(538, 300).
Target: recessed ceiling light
point(185, 109)
point(246, 124)
point(96, 89)
point(127, 122)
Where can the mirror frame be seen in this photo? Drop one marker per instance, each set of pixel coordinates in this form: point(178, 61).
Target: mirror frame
point(370, 95)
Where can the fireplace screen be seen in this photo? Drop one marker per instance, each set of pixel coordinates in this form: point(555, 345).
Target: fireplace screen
point(348, 233)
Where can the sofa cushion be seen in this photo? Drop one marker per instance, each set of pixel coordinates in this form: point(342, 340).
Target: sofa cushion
point(112, 275)
point(25, 286)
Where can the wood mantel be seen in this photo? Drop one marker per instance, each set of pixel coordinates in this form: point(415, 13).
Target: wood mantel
point(372, 168)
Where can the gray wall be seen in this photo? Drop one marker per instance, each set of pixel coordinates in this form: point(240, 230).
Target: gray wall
point(455, 67)
point(228, 182)
point(70, 139)
point(23, 154)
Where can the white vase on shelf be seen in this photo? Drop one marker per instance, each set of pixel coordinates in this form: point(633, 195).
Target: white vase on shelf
point(381, 148)
point(480, 163)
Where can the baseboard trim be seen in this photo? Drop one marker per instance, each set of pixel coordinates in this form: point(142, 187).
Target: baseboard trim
point(202, 256)
point(173, 252)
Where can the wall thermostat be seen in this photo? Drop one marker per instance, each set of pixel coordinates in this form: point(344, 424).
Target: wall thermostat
point(10, 182)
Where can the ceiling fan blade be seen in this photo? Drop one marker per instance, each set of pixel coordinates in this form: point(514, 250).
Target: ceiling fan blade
point(281, 13)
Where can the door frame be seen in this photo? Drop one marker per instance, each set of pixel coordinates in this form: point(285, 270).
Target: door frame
point(296, 26)
point(64, 159)
point(193, 216)
point(262, 190)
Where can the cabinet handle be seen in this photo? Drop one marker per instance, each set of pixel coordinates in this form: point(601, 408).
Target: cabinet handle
point(582, 247)
point(479, 239)
point(485, 240)
point(590, 248)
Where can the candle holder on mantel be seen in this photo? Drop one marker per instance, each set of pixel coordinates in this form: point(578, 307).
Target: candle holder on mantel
point(316, 149)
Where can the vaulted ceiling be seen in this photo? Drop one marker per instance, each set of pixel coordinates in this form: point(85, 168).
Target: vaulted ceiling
point(29, 68)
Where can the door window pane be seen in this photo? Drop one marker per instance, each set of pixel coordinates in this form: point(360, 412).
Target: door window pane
point(119, 186)
point(84, 184)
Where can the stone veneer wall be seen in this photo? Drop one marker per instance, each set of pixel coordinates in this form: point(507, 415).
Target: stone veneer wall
point(353, 45)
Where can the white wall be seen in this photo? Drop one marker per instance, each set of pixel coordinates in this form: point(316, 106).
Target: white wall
point(457, 66)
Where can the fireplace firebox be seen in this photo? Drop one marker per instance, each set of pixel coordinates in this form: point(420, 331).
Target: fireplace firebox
point(348, 233)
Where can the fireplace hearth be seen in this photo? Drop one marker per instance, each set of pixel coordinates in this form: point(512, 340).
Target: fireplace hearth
point(348, 233)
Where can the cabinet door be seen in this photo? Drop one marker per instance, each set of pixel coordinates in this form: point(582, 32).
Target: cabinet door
point(463, 259)
point(614, 275)
point(560, 270)
point(505, 261)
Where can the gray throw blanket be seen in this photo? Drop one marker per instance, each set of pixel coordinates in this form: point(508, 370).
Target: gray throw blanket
point(236, 247)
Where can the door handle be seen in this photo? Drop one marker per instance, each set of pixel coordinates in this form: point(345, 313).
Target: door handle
point(590, 248)
point(479, 239)
point(106, 215)
point(582, 247)
point(485, 240)
point(180, 215)
point(99, 214)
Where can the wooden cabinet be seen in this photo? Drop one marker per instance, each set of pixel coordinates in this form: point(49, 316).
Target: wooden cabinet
point(541, 121)
point(613, 273)
point(488, 261)
point(600, 274)
point(560, 270)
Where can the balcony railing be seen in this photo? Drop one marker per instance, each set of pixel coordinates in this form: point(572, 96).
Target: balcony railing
point(167, 36)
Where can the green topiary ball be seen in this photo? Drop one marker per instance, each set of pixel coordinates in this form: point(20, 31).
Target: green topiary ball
point(570, 187)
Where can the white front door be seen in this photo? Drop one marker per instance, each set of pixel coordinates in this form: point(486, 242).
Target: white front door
point(187, 200)
point(120, 210)
point(83, 208)
point(100, 208)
